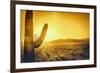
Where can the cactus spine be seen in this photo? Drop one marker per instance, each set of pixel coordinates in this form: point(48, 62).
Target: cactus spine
point(29, 43)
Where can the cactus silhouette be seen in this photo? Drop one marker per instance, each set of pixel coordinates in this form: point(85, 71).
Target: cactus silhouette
point(42, 36)
point(29, 43)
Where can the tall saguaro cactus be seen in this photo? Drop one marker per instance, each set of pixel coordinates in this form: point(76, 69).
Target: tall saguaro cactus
point(29, 43)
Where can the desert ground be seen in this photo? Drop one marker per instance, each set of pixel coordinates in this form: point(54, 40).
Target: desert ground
point(63, 50)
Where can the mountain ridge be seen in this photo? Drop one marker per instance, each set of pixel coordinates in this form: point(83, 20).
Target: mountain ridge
point(69, 40)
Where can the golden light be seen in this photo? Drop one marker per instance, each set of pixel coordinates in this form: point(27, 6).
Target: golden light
point(61, 25)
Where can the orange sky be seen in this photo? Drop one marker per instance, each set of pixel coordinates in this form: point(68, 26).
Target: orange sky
point(61, 25)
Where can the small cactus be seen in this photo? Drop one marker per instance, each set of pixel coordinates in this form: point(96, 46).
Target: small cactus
point(29, 43)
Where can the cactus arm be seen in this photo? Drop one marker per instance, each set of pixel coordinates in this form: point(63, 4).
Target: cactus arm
point(42, 36)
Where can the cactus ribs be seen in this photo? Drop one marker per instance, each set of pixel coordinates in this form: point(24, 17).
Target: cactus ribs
point(29, 43)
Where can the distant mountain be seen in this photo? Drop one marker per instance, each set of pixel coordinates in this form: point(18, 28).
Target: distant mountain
point(69, 40)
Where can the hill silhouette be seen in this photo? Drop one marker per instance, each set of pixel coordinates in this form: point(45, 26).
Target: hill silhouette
point(86, 40)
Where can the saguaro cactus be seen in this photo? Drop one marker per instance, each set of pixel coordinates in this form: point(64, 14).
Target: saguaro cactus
point(42, 36)
point(29, 43)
